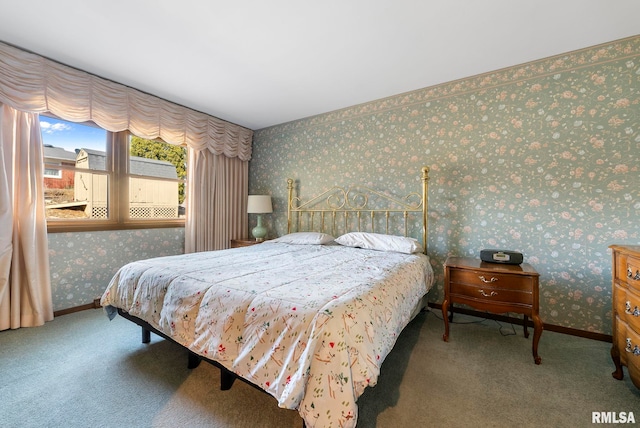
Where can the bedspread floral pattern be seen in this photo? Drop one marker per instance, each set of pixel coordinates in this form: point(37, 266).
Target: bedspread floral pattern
point(311, 327)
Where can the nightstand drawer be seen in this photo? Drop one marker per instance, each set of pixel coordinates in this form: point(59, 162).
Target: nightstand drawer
point(492, 293)
point(492, 280)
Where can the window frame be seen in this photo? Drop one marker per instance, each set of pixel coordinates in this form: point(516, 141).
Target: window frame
point(49, 167)
point(118, 177)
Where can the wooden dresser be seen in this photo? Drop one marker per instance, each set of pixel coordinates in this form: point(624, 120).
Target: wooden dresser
point(493, 287)
point(626, 311)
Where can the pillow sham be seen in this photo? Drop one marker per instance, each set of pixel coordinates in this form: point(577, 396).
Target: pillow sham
point(380, 242)
point(305, 238)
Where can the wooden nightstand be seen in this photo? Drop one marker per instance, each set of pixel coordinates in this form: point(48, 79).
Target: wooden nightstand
point(236, 243)
point(493, 287)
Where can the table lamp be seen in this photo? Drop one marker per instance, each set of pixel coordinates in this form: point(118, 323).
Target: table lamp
point(259, 204)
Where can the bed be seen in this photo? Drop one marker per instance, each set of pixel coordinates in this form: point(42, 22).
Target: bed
point(308, 317)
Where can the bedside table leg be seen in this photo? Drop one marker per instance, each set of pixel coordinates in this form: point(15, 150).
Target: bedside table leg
point(526, 330)
point(537, 332)
point(445, 317)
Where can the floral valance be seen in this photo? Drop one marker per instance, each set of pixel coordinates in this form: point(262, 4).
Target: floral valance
point(29, 82)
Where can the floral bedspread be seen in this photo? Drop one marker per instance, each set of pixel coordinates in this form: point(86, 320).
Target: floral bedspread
point(309, 324)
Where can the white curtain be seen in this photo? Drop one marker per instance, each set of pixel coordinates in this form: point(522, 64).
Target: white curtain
point(218, 187)
point(25, 288)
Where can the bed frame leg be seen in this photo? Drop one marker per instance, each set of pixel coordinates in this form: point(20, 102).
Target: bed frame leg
point(194, 360)
point(226, 379)
point(146, 335)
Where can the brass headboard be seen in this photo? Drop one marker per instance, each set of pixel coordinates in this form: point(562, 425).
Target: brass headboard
point(347, 205)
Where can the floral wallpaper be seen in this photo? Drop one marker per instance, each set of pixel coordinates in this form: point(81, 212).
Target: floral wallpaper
point(542, 158)
point(83, 263)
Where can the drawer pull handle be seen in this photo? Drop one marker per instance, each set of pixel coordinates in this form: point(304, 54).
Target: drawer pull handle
point(483, 279)
point(493, 293)
point(635, 312)
point(635, 350)
point(631, 275)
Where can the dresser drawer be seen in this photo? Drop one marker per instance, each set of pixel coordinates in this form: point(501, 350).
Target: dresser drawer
point(620, 338)
point(632, 273)
point(627, 267)
point(627, 304)
point(628, 342)
point(492, 280)
point(619, 297)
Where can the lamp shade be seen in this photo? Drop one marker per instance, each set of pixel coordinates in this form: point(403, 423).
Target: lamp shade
point(259, 204)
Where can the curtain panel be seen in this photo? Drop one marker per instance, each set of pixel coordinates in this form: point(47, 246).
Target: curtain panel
point(29, 82)
point(25, 287)
point(215, 182)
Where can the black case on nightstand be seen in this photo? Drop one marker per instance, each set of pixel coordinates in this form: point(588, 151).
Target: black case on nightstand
point(501, 256)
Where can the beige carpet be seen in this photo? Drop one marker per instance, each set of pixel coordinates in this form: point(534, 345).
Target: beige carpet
point(82, 370)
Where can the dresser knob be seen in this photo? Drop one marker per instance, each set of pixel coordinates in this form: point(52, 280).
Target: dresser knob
point(483, 279)
point(493, 293)
point(627, 309)
point(631, 275)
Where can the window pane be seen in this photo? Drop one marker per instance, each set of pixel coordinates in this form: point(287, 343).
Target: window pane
point(156, 184)
point(53, 173)
point(69, 192)
point(152, 198)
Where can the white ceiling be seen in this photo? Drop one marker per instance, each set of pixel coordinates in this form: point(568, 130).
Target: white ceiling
point(259, 63)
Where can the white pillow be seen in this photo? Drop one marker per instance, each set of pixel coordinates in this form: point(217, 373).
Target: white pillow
point(380, 242)
point(311, 238)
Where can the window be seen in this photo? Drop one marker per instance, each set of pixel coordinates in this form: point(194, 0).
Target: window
point(95, 179)
point(67, 177)
point(53, 173)
point(157, 171)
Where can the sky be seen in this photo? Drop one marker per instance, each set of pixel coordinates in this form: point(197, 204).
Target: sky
point(71, 136)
